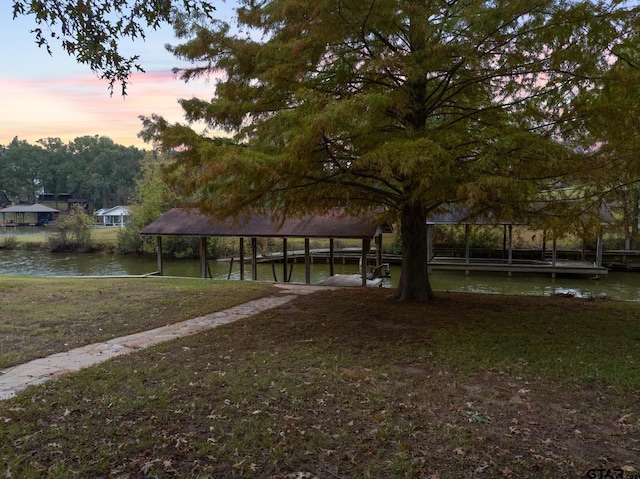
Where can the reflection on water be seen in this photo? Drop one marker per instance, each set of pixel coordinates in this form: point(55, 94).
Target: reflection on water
point(615, 285)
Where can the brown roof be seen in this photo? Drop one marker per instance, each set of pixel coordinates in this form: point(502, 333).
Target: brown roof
point(190, 222)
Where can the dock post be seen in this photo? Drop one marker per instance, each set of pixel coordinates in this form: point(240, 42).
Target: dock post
point(203, 256)
point(332, 257)
point(307, 262)
point(504, 241)
point(467, 243)
point(241, 252)
point(366, 245)
point(599, 250)
point(230, 268)
point(554, 245)
point(467, 246)
point(510, 254)
point(554, 254)
point(554, 251)
point(429, 245)
point(379, 247)
point(285, 258)
point(159, 255)
point(254, 259)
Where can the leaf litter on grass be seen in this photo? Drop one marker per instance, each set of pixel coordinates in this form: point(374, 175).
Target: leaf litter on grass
point(346, 383)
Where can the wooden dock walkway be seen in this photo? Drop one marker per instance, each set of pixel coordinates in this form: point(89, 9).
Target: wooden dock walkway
point(455, 263)
point(561, 267)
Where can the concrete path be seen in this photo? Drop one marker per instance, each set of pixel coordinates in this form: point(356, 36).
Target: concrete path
point(17, 378)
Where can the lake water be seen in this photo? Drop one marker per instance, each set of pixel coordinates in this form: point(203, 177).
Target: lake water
point(616, 285)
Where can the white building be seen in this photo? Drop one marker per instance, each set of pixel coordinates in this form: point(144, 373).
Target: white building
point(116, 216)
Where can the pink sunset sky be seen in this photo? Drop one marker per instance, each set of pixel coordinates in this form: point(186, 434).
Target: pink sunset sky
point(47, 96)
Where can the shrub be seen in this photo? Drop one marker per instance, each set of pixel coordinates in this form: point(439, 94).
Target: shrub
point(72, 232)
point(131, 242)
point(9, 242)
point(453, 236)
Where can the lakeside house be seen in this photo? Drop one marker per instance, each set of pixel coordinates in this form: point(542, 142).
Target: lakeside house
point(116, 216)
point(28, 215)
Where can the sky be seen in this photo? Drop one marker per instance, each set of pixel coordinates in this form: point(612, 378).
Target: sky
point(43, 96)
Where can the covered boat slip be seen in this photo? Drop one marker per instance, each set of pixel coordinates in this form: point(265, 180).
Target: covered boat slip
point(337, 225)
point(27, 215)
point(547, 264)
point(333, 225)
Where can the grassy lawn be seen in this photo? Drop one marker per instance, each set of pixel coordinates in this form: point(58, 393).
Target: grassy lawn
point(107, 236)
point(101, 236)
point(341, 384)
point(41, 316)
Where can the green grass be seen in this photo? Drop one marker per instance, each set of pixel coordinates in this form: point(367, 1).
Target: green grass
point(41, 316)
point(349, 383)
point(107, 236)
point(583, 341)
point(40, 236)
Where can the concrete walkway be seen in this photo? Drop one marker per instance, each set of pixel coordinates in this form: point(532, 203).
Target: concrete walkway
point(17, 378)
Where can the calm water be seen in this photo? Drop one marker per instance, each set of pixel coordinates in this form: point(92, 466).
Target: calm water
point(615, 285)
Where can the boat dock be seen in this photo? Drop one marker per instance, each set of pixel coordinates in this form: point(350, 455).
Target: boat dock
point(560, 267)
point(458, 263)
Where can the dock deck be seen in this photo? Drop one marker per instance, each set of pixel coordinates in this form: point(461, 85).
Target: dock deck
point(561, 267)
point(351, 280)
point(457, 263)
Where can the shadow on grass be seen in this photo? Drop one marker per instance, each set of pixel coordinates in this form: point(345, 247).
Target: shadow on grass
point(351, 383)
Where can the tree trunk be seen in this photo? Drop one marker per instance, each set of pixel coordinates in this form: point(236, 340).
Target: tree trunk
point(414, 281)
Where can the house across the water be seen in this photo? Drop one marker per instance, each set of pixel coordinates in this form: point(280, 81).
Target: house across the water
point(28, 215)
point(116, 216)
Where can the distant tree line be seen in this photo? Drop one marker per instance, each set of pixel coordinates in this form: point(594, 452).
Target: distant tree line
point(92, 168)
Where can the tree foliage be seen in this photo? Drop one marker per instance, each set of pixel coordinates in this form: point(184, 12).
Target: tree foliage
point(610, 122)
point(151, 199)
point(92, 167)
point(93, 31)
point(20, 164)
point(402, 105)
point(103, 171)
point(405, 105)
point(73, 232)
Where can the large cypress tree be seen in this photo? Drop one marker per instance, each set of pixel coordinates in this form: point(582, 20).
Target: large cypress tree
point(401, 104)
point(404, 105)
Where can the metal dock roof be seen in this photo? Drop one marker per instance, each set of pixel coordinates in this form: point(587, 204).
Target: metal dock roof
point(335, 224)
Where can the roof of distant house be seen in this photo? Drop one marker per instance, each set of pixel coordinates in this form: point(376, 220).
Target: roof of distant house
point(107, 211)
point(37, 208)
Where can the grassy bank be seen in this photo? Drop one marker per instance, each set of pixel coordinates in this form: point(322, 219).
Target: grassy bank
point(345, 384)
point(106, 239)
point(101, 238)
